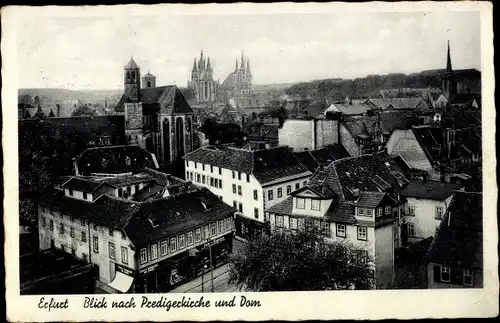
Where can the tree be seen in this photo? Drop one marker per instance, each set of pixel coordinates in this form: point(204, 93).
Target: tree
point(301, 261)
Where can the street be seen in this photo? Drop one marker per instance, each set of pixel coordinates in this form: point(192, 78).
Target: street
point(220, 283)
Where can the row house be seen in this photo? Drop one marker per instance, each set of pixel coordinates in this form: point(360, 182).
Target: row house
point(353, 200)
point(427, 203)
point(455, 257)
point(138, 231)
point(249, 180)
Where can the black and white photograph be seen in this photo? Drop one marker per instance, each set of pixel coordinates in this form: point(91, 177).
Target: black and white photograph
point(172, 151)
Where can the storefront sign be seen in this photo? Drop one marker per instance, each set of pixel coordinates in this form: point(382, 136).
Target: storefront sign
point(213, 242)
point(124, 270)
point(148, 269)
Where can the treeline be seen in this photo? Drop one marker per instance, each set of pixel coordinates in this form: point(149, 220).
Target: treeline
point(364, 87)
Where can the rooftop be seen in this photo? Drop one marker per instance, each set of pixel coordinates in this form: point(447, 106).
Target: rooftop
point(431, 190)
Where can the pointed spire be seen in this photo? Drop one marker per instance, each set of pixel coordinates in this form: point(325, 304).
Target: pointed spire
point(236, 65)
point(194, 65)
point(242, 61)
point(448, 59)
point(208, 64)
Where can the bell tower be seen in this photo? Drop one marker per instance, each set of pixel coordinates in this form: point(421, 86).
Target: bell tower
point(132, 81)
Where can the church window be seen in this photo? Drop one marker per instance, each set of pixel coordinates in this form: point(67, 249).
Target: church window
point(149, 83)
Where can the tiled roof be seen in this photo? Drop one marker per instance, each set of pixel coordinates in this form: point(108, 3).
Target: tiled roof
point(429, 139)
point(396, 103)
point(337, 151)
point(356, 107)
point(364, 126)
point(113, 159)
point(306, 159)
point(459, 240)
point(311, 159)
point(342, 212)
point(174, 215)
point(370, 199)
point(284, 207)
point(266, 165)
point(393, 120)
point(106, 210)
point(83, 185)
point(432, 190)
point(169, 99)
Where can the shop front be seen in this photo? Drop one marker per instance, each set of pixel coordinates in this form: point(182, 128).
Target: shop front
point(181, 268)
point(124, 278)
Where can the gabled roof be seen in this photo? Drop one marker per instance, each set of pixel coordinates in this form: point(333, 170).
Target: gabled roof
point(459, 240)
point(284, 207)
point(131, 64)
point(319, 188)
point(393, 120)
point(369, 199)
point(354, 107)
point(82, 185)
point(363, 126)
point(429, 139)
point(168, 98)
point(312, 159)
point(266, 165)
point(396, 103)
point(431, 190)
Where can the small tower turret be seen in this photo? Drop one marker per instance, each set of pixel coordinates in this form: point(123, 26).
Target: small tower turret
point(132, 80)
point(148, 80)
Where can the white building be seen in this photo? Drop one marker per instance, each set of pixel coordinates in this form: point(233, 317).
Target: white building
point(427, 203)
point(248, 180)
point(308, 133)
point(350, 200)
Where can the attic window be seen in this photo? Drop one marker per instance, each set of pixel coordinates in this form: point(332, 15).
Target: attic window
point(153, 223)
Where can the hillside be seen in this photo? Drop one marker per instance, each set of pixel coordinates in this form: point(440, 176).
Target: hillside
point(368, 86)
point(64, 97)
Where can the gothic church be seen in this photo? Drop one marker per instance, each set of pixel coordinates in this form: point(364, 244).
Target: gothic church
point(158, 119)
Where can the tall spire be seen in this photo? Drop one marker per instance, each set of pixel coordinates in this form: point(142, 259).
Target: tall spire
point(242, 61)
point(208, 64)
point(448, 59)
point(236, 68)
point(194, 64)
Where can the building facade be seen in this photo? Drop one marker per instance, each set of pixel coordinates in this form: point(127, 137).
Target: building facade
point(156, 118)
point(308, 134)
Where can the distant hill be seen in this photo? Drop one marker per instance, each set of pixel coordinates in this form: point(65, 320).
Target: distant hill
point(276, 87)
point(368, 86)
point(64, 97)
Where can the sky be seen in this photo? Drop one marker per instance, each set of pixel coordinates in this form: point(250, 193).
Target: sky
point(83, 52)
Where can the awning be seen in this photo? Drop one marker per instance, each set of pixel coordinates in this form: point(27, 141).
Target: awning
point(122, 282)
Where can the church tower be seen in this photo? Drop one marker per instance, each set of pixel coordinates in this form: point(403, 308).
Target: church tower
point(449, 86)
point(132, 80)
point(148, 81)
point(202, 83)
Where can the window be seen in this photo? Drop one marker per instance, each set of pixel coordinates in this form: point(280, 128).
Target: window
point(468, 277)
point(221, 226)
point(43, 221)
point(341, 230)
point(396, 234)
point(255, 195)
point(82, 221)
point(379, 212)
point(239, 190)
point(182, 242)
point(239, 176)
point(235, 204)
point(361, 211)
point(220, 183)
point(220, 171)
point(120, 192)
point(280, 192)
point(212, 182)
point(444, 274)
point(197, 235)
point(173, 244)
point(124, 255)
point(279, 221)
point(197, 178)
point(362, 233)
point(388, 209)
point(256, 212)
point(154, 251)
point(84, 195)
point(163, 247)
point(315, 205)
point(369, 212)
point(411, 210)
point(203, 179)
point(325, 228)
point(270, 195)
point(234, 174)
point(240, 207)
point(213, 229)
point(305, 183)
point(124, 237)
point(248, 178)
point(211, 169)
point(195, 165)
point(84, 236)
point(61, 229)
point(70, 192)
point(95, 243)
point(411, 230)
point(300, 224)
point(203, 167)
point(439, 213)
point(110, 232)
point(228, 224)
point(293, 224)
point(288, 189)
point(51, 225)
point(205, 232)
point(301, 203)
point(234, 188)
point(297, 186)
point(72, 232)
point(95, 227)
point(111, 249)
point(144, 256)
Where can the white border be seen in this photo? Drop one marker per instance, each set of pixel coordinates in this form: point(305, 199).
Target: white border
point(401, 304)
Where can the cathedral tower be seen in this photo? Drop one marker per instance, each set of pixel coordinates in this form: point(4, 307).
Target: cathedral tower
point(202, 83)
point(132, 80)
